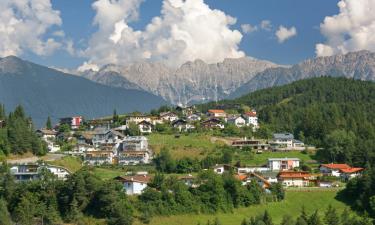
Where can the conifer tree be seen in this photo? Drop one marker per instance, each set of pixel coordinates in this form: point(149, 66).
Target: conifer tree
point(49, 124)
point(331, 217)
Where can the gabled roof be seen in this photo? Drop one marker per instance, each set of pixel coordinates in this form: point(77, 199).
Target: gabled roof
point(351, 170)
point(216, 111)
point(47, 132)
point(179, 121)
point(136, 178)
point(251, 114)
point(145, 122)
point(294, 174)
point(334, 166)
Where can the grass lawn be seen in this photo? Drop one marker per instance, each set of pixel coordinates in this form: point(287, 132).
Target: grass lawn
point(73, 164)
point(190, 145)
point(312, 200)
point(262, 159)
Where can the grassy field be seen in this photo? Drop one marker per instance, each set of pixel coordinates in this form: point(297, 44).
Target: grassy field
point(261, 159)
point(73, 164)
point(191, 145)
point(312, 200)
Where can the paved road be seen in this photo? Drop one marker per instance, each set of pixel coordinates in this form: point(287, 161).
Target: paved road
point(34, 159)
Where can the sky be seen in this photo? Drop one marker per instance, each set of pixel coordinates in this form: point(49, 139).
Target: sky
point(87, 34)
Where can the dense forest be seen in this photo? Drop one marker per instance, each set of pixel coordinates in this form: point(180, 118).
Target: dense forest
point(17, 135)
point(335, 114)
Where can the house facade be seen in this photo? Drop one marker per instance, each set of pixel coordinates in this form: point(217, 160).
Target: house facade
point(333, 169)
point(74, 122)
point(145, 127)
point(212, 123)
point(28, 172)
point(286, 142)
point(238, 121)
point(217, 113)
point(134, 185)
point(133, 151)
point(168, 116)
point(99, 157)
point(297, 179)
point(251, 119)
point(279, 164)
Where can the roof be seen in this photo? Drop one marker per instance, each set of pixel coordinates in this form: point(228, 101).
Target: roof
point(283, 136)
point(47, 132)
point(281, 159)
point(293, 174)
point(251, 114)
point(336, 166)
point(216, 111)
point(351, 170)
point(240, 177)
point(136, 178)
point(145, 122)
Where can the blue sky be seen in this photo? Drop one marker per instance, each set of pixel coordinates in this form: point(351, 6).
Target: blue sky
point(306, 16)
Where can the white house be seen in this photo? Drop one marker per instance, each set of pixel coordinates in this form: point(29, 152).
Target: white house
point(99, 157)
point(193, 118)
point(134, 185)
point(286, 141)
point(217, 113)
point(238, 121)
point(221, 168)
point(137, 119)
point(74, 122)
point(59, 171)
point(244, 170)
point(145, 127)
point(168, 116)
point(251, 119)
point(297, 179)
point(277, 164)
point(27, 172)
point(105, 136)
point(347, 174)
point(133, 151)
point(333, 169)
point(182, 125)
point(49, 136)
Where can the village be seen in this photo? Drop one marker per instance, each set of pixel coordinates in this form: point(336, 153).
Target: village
point(124, 142)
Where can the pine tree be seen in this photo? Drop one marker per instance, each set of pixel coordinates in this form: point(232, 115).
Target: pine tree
point(49, 124)
point(217, 221)
point(244, 222)
point(331, 217)
point(314, 219)
point(267, 219)
point(4, 214)
point(301, 221)
point(287, 220)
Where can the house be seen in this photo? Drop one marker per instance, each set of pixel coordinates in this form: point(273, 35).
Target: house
point(136, 119)
point(134, 185)
point(212, 123)
point(194, 117)
point(238, 121)
point(245, 170)
point(286, 142)
point(347, 174)
point(260, 145)
point(248, 178)
point(168, 116)
point(145, 127)
point(27, 172)
point(188, 180)
point(74, 122)
point(276, 164)
point(49, 136)
point(333, 169)
point(217, 113)
point(221, 168)
point(181, 125)
point(98, 157)
point(251, 119)
point(297, 179)
point(156, 120)
point(133, 151)
point(105, 136)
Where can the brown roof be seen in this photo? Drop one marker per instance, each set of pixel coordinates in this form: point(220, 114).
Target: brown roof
point(48, 132)
point(216, 111)
point(351, 170)
point(136, 178)
point(336, 166)
point(251, 114)
point(293, 174)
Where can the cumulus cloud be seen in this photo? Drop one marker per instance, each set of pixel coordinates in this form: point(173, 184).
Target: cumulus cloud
point(352, 29)
point(248, 28)
point(266, 25)
point(283, 33)
point(185, 30)
point(23, 24)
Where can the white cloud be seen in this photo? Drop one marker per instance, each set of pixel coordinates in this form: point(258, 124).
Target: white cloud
point(266, 25)
point(283, 33)
point(23, 24)
point(87, 66)
point(248, 28)
point(185, 30)
point(352, 29)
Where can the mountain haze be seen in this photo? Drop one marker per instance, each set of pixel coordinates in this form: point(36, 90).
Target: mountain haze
point(46, 92)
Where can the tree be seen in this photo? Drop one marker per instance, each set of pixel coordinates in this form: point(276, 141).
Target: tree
point(287, 220)
point(267, 219)
point(314, 219)
point(331, 217)
point(4, 213)
point(301, 221)
point(49, 123)
point(133, 129)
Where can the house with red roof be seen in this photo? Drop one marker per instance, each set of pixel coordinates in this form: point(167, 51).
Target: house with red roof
point(297, 179)
point(347, 174)
point(217, 113)
point(251, 119)
point(333, 169)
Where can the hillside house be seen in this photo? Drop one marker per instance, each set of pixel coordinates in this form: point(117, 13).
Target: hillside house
point(99, 157)
point(134, 185)
point(297, 179)
point(182, 125)
point(213, 123)
point(217, 113)
point(251, 119)
point(188, 180)
point(260, 145)
point(333, 169)
point(145, 127)
point(286, 142)
point(49, 136)
point(245, 170)
point(347, 174)
point(133, 151)
point(27, 172)
point(238, 121)
point(168, 116)
point(137, 119)
point(277, 164)
point(221, 168)
point(248, 178)
point(105, 136)
point(194, 118)
point(74, 122)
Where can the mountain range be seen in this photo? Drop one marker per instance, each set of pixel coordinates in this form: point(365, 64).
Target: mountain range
point(196, 82)
point(47, 92)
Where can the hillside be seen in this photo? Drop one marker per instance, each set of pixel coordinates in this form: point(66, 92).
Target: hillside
point(357, 65)
point(334, 113)
point(46, 92)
